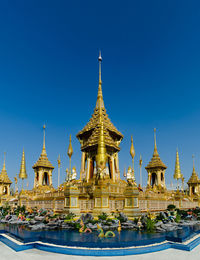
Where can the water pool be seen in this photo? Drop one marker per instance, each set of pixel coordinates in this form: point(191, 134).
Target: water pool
point(126, 238)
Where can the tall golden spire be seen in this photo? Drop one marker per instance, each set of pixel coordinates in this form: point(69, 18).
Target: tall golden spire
point(70, 152)
point(89, 135)
point(23, 174)
point(177, 172)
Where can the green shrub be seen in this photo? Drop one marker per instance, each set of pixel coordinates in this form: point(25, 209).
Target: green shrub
point(103, 216)
point(92, 221)
point(76, 225)
point(160, 217)
point(178, 218)
point(70, 215)
point(171, 207)
point(150, 225)
point(68, 220)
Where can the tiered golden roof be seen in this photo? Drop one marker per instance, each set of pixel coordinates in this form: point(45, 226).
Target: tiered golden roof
point(3, 175)
point(155, 160)
point(194, 179)
point(23, 174)
point(89, 135)
point(43, 160)
point(177, 172)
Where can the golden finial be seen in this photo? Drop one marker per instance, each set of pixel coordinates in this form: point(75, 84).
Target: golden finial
point(70, 152)
point(100, 60)
point(155, 146)
point(23, 174)
point(124, 171)
point(132, 153)
point(140, 161)
point(44, 148)
point(58, 160)
point(4, 162)
point(193, 162)
point(177, 171)
point(132, 150)
point(100, 103)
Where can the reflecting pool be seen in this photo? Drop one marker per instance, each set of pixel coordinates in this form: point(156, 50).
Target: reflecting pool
point(125, 238)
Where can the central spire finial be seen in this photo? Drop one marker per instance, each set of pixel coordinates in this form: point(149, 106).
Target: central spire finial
point(44, 148)
point(155, 146)
point(193, 163)
point(100, 103)
point(100, 60)
point(4, 162)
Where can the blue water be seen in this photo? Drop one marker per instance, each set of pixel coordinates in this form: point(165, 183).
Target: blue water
point(74, 238)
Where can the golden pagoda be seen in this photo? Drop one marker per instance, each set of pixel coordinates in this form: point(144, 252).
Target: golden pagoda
point(194, 182)
point(100, 187)
point(5, 182)
point(156, 170)
point(177, 172)
point(43, 169)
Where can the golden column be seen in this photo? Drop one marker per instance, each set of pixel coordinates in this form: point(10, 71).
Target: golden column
point(69, 153)
point(59, 162)
point(177, 172)
point(132, 153)
point(23, 174)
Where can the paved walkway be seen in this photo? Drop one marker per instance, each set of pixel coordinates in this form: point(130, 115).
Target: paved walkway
point(7, 253)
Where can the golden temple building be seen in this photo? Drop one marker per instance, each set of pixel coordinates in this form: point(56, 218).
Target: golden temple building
point(100, 187)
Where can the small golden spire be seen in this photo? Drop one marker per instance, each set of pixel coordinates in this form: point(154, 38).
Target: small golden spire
point(193, 163)
point(155, 146)
point(4, 162)
point(44, 148)
point(177, 172)
point(22, 173)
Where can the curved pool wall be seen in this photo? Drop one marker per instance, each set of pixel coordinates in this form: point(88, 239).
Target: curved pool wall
point(21, 239)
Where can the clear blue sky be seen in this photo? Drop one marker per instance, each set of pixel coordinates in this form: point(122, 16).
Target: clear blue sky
point(49, 74)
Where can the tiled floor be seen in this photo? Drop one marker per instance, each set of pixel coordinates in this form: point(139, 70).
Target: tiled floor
point(7, 253)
